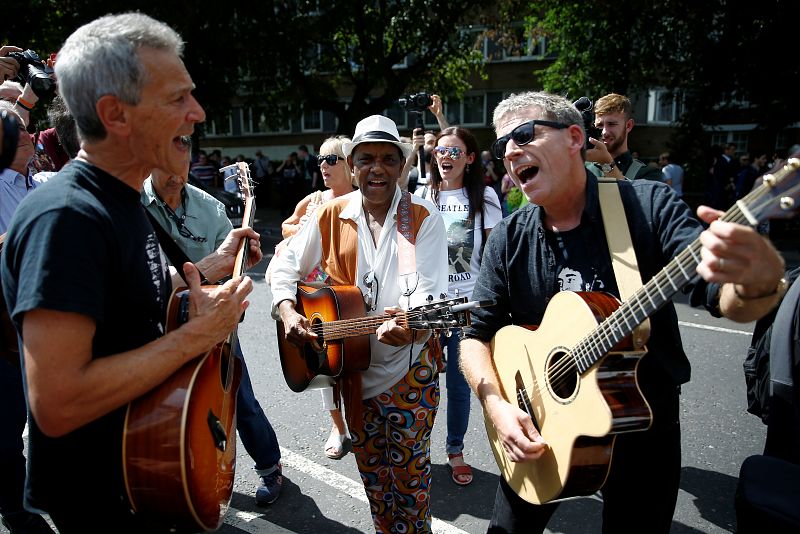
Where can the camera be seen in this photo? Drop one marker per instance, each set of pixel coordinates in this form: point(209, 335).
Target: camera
point(418, 102)
point(34, 72)
point(586, 107)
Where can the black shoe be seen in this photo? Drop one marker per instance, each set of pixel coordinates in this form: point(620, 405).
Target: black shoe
point(270, 488)
point(26, 523)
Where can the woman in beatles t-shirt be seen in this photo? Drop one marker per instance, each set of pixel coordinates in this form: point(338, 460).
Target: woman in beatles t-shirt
point(470, 210)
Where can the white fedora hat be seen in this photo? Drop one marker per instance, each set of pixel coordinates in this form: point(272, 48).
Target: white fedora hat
point(377, 129)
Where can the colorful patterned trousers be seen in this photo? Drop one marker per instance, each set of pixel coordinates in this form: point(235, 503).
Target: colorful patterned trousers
point(393, 450)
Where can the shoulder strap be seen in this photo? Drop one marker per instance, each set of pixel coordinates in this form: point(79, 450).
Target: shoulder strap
point(780, 345)
point(620, 246)
point(406, 255)
point(173, 251)
point(633, 169)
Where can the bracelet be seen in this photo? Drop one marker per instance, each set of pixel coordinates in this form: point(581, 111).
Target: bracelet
point(24, 104)
point(779, 288)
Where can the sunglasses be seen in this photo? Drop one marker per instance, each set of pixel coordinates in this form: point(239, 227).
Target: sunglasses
point(453, 151)
point(522, 135)
point(331, 159)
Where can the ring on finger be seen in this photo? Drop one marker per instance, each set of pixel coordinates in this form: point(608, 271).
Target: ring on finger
point(721, 264)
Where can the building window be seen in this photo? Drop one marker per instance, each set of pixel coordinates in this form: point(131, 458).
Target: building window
point(516, 45)
point(254, 122)
point(474, 110)
point(739, 138)
point(398, 114)
point(312, 120)
point(219, 125)
point(664, 107)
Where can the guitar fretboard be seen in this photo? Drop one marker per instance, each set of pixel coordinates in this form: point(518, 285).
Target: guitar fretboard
point(671, 279)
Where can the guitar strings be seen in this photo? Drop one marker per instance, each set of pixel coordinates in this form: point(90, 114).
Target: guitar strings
point(565, 368)
point(610, 329)
point(342, 327)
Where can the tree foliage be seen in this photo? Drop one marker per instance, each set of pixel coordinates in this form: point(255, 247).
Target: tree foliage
point(334, 55)
point(712, 54)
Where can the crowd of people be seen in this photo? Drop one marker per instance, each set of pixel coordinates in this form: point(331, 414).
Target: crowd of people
point(104, 196)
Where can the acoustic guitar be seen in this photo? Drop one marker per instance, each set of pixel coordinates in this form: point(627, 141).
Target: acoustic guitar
point(179, 442)
point(576, 374)
point(337, 315)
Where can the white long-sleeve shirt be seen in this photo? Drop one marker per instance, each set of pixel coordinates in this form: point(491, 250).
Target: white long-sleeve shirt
point(377, 263)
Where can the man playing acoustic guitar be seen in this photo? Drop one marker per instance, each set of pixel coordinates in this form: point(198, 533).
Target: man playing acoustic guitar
point(541, 139)
point(355, 239)
point(84, 278)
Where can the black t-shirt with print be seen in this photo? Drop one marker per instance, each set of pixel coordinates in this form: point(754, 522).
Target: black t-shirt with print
point(82, 243)
point(575, 270)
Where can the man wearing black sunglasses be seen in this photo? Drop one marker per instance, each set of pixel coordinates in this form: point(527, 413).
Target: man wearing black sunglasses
point(541, 139)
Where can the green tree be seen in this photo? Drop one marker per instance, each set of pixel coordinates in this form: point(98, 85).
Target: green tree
point(711, 54)
point(340, 56)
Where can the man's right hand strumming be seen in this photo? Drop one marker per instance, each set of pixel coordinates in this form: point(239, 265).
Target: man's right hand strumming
point(297, 329)
point(516, 431)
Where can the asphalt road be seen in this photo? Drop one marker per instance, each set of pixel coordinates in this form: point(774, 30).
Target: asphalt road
point(322, 495)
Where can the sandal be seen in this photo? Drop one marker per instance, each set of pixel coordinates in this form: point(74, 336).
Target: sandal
point(461, 474)
point(338, 445)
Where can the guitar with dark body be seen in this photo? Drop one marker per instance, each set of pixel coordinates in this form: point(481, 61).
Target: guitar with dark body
point(179, 442)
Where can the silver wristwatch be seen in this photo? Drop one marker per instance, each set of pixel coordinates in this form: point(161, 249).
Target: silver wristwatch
point(606, 167)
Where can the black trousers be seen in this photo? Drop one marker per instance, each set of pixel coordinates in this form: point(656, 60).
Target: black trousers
point(641, 490)
point(13, 416)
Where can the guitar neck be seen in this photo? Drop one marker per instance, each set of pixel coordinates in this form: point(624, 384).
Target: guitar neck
point(649, 298)
point(240, 264)
point(361, 326)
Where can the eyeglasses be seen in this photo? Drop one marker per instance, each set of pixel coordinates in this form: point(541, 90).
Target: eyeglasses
point(330, 159)
point(186, 233)
point(522, 135)
point(453, 151)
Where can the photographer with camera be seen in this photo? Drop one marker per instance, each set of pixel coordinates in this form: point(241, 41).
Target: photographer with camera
point(422, 141)
point(598, 160)
point(34, 76)
point(614, 122)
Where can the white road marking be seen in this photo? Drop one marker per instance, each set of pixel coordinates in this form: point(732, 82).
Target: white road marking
point(251, 522)
point(715, 328)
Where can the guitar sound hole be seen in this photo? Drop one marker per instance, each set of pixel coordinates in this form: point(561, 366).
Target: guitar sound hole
point(562, 376)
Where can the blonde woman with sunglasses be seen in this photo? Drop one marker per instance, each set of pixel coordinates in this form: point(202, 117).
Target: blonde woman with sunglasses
point(339, 181)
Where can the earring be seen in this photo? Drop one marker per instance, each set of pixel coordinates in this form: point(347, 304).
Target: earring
point(469, 168)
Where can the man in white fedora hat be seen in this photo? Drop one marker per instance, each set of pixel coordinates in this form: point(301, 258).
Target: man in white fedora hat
point(392, 246)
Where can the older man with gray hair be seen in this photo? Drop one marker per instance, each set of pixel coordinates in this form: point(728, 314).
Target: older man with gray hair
point(86, 283)
point(542, 141)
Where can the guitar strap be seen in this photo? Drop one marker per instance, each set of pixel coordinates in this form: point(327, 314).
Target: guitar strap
point(173, 251)
point(407, 263)
point(620, 247)
point(406, 254)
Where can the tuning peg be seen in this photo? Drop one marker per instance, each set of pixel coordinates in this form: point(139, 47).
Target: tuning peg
point(442, 296)
point(430, 298)
point(448, 333)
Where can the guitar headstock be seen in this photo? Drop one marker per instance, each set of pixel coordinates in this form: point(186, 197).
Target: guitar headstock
point(439, 315)
point(776, 195)
point(239, 171)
